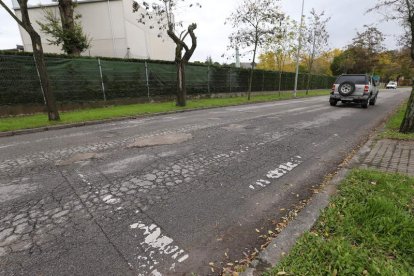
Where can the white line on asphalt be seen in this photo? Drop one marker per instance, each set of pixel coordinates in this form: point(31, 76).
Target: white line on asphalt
point(277, 173)
point(84, 180)
point(156, 273)
point(109, 199)
point(157, 245)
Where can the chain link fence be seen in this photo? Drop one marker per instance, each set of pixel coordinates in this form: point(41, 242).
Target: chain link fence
point(86, 79)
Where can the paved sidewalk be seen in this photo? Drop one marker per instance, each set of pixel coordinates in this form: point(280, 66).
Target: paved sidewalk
point(391, 156)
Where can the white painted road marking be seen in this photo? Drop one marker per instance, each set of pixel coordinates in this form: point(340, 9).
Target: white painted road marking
point(277, 173)
point(109, 199)
point(156, 245)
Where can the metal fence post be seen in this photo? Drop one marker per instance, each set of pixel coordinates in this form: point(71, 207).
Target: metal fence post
point(276, 78)
point(230, 79)
point(147, 81)
point(263, 81)
point(208, 80)
point(102, 82)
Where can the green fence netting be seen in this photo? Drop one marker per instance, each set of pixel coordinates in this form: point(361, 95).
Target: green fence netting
point(82, 80)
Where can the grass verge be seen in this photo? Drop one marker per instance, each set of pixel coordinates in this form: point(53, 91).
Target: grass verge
point(368, 229)
point(95, 114)
point(392, 127)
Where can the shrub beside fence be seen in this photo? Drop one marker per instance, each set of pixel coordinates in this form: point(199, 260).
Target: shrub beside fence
point(86, 79)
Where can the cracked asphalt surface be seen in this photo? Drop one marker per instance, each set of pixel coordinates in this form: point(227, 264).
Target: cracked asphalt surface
point(167, 195)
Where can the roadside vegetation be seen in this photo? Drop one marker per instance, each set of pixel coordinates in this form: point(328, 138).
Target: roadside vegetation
point(112, 112)
point(368, 229)
point(392, 127)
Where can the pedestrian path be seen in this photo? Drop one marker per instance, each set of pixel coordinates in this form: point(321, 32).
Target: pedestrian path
point(392, 156)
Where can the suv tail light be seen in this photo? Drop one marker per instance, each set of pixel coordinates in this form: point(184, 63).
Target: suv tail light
point(333, 89)
point(366, 89)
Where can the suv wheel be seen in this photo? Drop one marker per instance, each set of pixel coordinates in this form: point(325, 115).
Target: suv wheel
point(373, 101)
point(365, 104)
point(333, 102)
point(346, 88)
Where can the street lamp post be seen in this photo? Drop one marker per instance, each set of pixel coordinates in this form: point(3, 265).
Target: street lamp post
point(298, 52)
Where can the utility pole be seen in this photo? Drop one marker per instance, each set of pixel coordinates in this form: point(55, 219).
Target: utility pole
point(298, 52)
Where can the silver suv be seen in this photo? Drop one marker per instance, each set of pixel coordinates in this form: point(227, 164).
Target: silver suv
point(357, 88)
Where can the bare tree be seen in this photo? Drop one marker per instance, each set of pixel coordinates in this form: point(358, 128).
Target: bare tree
point(316, 40)
point(163, 16)
point(50, 101)
point(403, 11)
point(282, 45)
point(254, 21)
point(66, 31)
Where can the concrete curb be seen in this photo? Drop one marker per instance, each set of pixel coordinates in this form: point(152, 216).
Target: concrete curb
point(305, 220)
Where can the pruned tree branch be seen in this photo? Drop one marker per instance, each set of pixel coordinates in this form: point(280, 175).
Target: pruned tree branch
point(190, 52)
point(164, 15)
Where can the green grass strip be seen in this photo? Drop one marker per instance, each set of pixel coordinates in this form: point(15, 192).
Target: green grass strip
point(392, 127)
point(368, 229)
point(95, 114)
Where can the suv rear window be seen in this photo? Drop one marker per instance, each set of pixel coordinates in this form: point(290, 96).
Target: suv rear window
point(355, 79)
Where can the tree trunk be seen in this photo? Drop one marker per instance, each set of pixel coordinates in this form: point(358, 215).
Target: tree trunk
point(281, 66)
point(53, 113)
point(66, 10)
point(308, 84)
point(407, 125)
point(52, 110)
point(249, 90)
point(182, 60)
point(251, 71)
point(312, 58)
point(181, 88)
point(280, 81)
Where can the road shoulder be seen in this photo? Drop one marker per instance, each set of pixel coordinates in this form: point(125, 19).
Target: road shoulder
point(304, 221)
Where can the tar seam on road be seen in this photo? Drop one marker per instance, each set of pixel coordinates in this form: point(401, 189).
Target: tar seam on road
point(94, 220)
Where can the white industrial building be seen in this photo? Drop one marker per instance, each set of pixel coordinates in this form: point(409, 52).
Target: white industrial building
point(112, 27)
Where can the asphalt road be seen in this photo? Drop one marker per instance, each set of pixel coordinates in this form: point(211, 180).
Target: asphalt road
point(167, 195)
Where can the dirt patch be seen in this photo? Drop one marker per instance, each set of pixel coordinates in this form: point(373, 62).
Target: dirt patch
point(168, 139)
point(126, 164)
point(77, 158)
point(234, 127)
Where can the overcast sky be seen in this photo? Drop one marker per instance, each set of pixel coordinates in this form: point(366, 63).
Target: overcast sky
point(347, 16)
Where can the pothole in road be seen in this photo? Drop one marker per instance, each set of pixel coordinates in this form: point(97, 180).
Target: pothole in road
point(77, 158)
point(234, 127)
point(169, 139)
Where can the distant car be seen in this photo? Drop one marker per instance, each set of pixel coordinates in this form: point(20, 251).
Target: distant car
point(391, 85)
point(357, 88)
